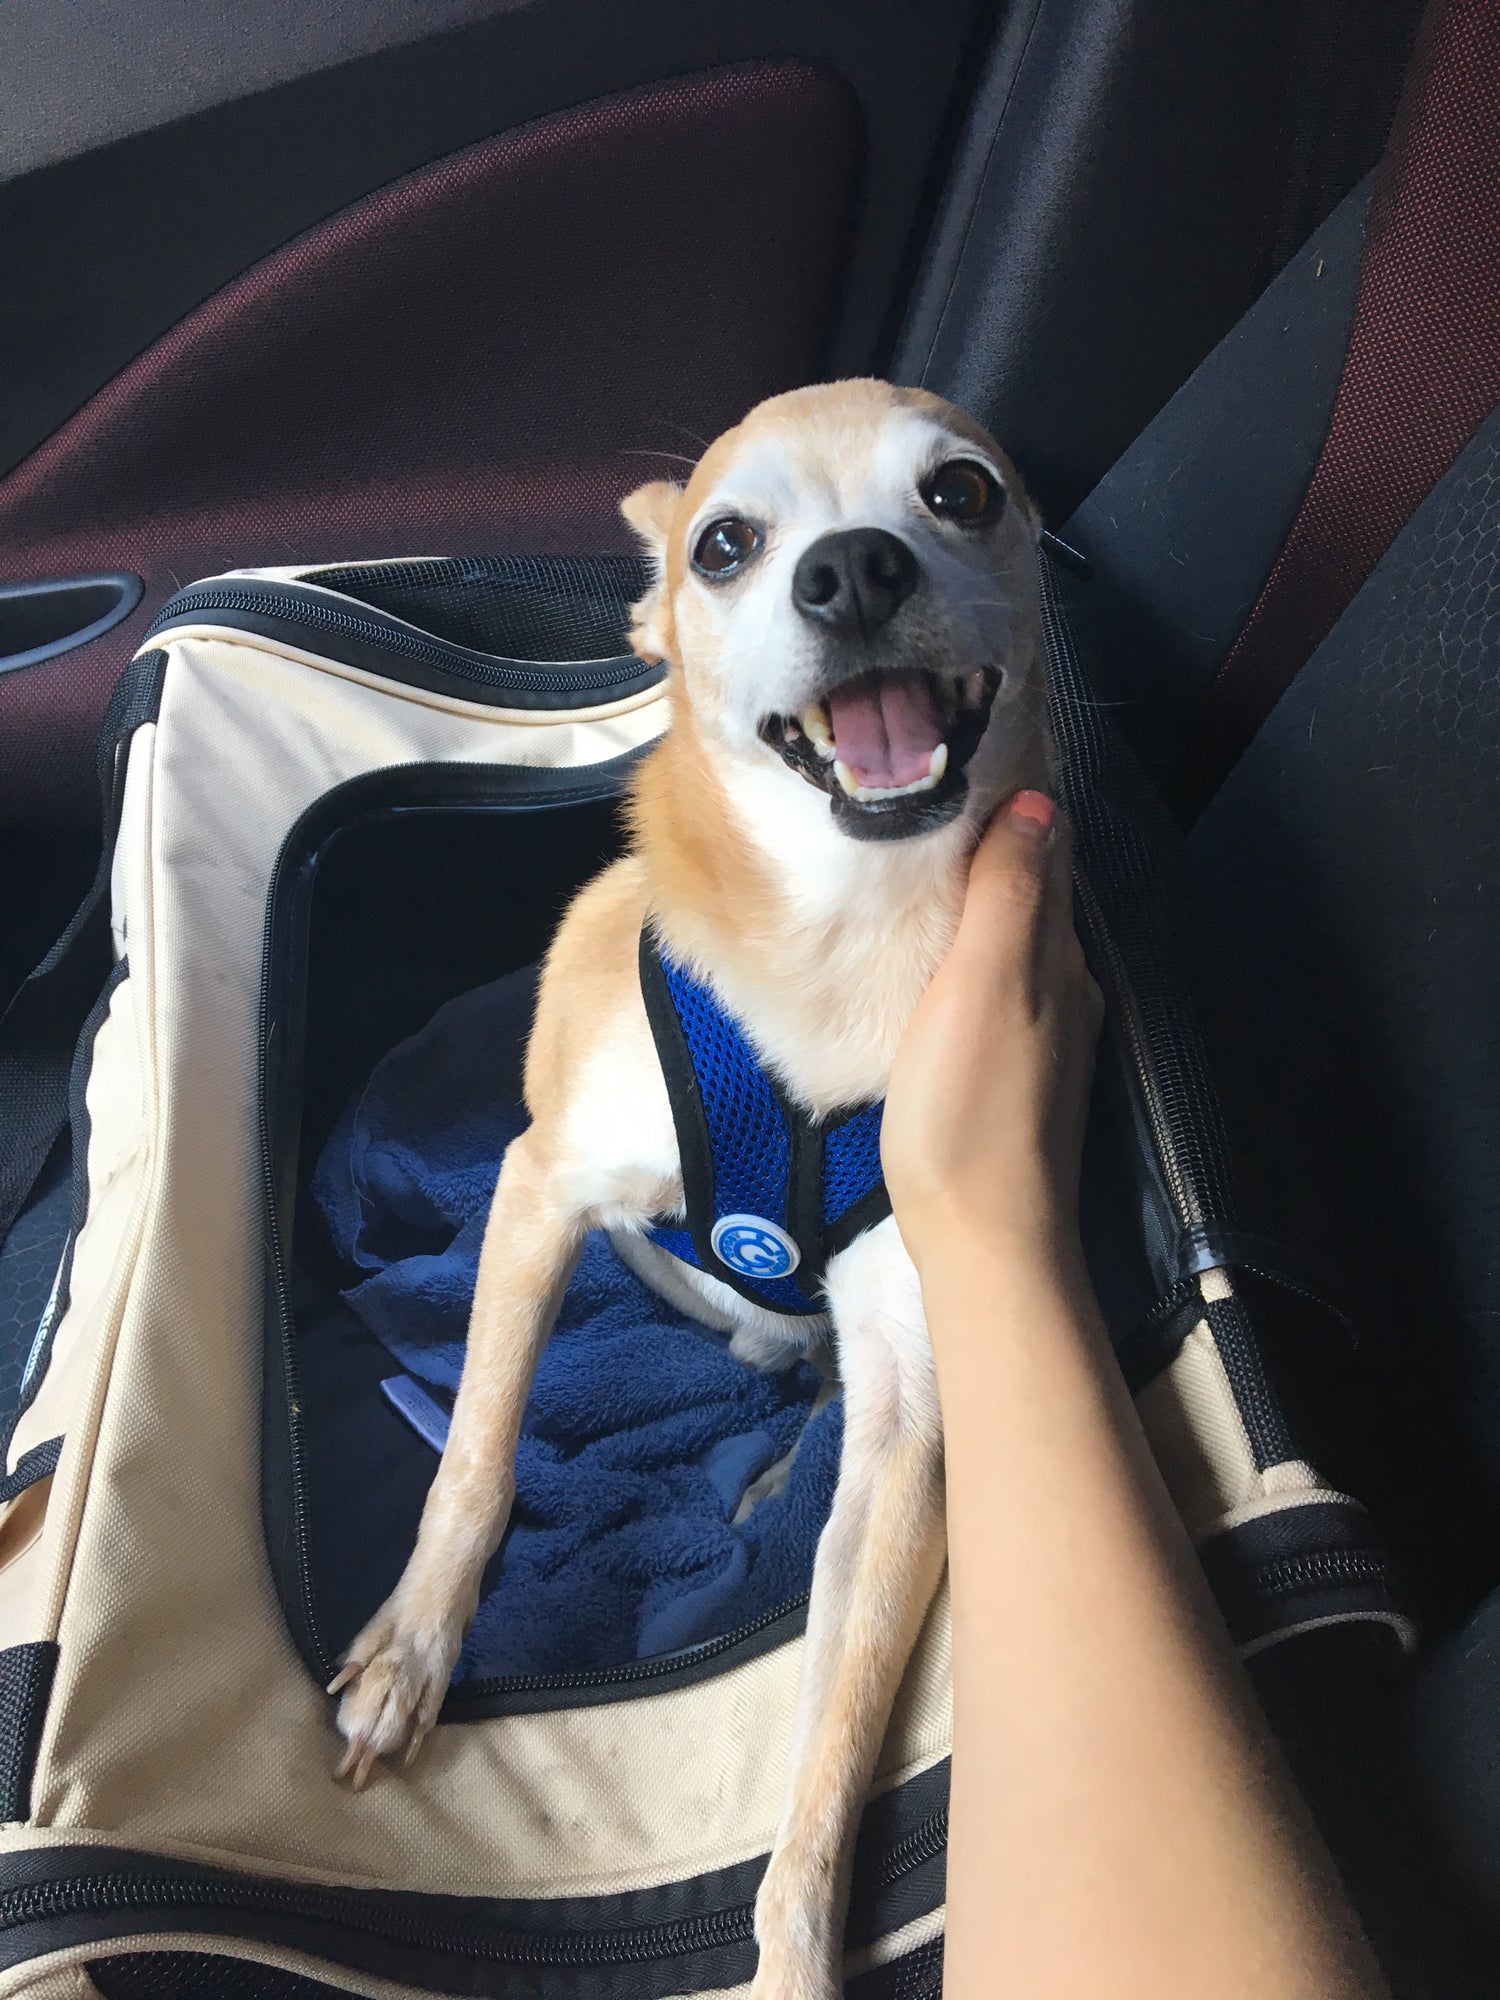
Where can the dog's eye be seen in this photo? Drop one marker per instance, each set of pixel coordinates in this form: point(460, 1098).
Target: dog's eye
point(724, 546)
point(963, 490)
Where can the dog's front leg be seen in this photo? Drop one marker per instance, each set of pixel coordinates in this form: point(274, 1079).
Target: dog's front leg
point(398, 1668)
point(877, 1567)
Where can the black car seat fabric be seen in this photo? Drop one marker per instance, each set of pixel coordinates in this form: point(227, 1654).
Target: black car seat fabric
point(1422, 370)
point(1348, 871)
point(1131, 176)
point(1182, 531)
point(1451, 1730)
point(1347, 863)
point(1350, 867)
point(1349, 956)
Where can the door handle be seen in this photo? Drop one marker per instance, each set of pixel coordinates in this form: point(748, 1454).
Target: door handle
point(57, 613)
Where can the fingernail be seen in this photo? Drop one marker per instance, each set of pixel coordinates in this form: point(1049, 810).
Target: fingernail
point(1033, 814)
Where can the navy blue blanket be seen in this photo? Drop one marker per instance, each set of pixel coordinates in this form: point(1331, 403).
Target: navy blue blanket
point(641, 1433)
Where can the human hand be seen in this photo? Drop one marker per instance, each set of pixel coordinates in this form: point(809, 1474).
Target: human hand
point(984, 1114)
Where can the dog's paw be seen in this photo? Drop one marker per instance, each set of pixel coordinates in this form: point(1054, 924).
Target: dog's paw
point(763, 1347)
point(781, 1978)
point(769, 1486)
point(393, 1680)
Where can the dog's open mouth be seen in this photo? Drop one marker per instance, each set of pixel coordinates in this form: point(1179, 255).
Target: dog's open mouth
point(890, 748)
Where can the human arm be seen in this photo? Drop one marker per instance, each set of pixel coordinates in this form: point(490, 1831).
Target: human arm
point(1121, 1824)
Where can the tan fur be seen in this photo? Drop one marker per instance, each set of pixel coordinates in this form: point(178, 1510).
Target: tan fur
point(718, 905)
point(821, 946)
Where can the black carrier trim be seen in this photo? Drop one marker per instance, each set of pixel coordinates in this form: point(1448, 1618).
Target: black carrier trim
point(41, 1024)
point(915, 1975)
point(557, 610)
point(280, 1039)
point(1301, 1566)
point(1130, 923)
point(30, 1467)
point(79, 1128)
point(195, 1975)
point(1264, 1420)
point(25, 1685)
point(309, 617)
point(686, 1936)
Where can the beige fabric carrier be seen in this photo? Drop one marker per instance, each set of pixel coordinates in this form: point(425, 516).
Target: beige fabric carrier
point(166, 1748)
point(170, 1749)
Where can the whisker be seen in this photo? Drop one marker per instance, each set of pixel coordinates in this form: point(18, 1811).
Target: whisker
point(687, 431)
point(650, 451)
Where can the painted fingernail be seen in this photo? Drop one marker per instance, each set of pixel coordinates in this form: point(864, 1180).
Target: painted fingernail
point(1033, 814)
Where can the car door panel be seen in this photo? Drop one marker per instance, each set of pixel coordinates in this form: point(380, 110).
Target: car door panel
point(486, 354)
point(452, 297)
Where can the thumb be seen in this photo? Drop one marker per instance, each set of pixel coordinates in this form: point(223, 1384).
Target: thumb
point(1013, 863)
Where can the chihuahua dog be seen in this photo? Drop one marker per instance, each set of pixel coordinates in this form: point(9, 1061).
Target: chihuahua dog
point(846, 599)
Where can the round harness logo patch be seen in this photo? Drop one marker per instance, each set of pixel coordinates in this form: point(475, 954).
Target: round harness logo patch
point(754, 1247)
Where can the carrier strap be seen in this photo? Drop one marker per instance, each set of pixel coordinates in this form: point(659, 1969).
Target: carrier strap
point(1421, 373)
point(771, 1193)
point(41, 1026)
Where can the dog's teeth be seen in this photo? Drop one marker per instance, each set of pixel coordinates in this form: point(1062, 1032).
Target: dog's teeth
point(973, 687)
point(818, 730)
point(869, 794)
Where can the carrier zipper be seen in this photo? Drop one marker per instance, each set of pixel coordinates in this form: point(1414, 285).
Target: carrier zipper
point(1185, 1200)
point(132, 1894)
point(1196, 1177)
point(375, 1915)
point(1282, 1574)
point(923, 1844)
point(665, 1664)
point(277, 1273)
point(304, 607)
point(1085, 751)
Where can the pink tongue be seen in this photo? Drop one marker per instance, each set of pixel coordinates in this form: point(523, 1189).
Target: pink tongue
point(885, 728)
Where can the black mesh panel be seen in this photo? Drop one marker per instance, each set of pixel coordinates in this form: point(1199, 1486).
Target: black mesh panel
point(519, 607)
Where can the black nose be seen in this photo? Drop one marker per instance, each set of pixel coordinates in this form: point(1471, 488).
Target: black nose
point(855, 580)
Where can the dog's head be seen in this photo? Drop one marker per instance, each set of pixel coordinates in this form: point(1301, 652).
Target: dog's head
point(847, 585)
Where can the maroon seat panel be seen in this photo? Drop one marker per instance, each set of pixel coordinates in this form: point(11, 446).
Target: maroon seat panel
point(481, 357)
point(1421, 374)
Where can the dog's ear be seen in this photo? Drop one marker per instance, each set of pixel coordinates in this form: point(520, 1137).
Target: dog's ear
point(649, 510)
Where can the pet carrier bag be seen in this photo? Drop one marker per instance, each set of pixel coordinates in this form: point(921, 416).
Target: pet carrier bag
point(253, 1106)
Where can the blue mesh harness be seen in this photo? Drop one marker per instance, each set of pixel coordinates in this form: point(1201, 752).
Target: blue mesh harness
point(771, 1193)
